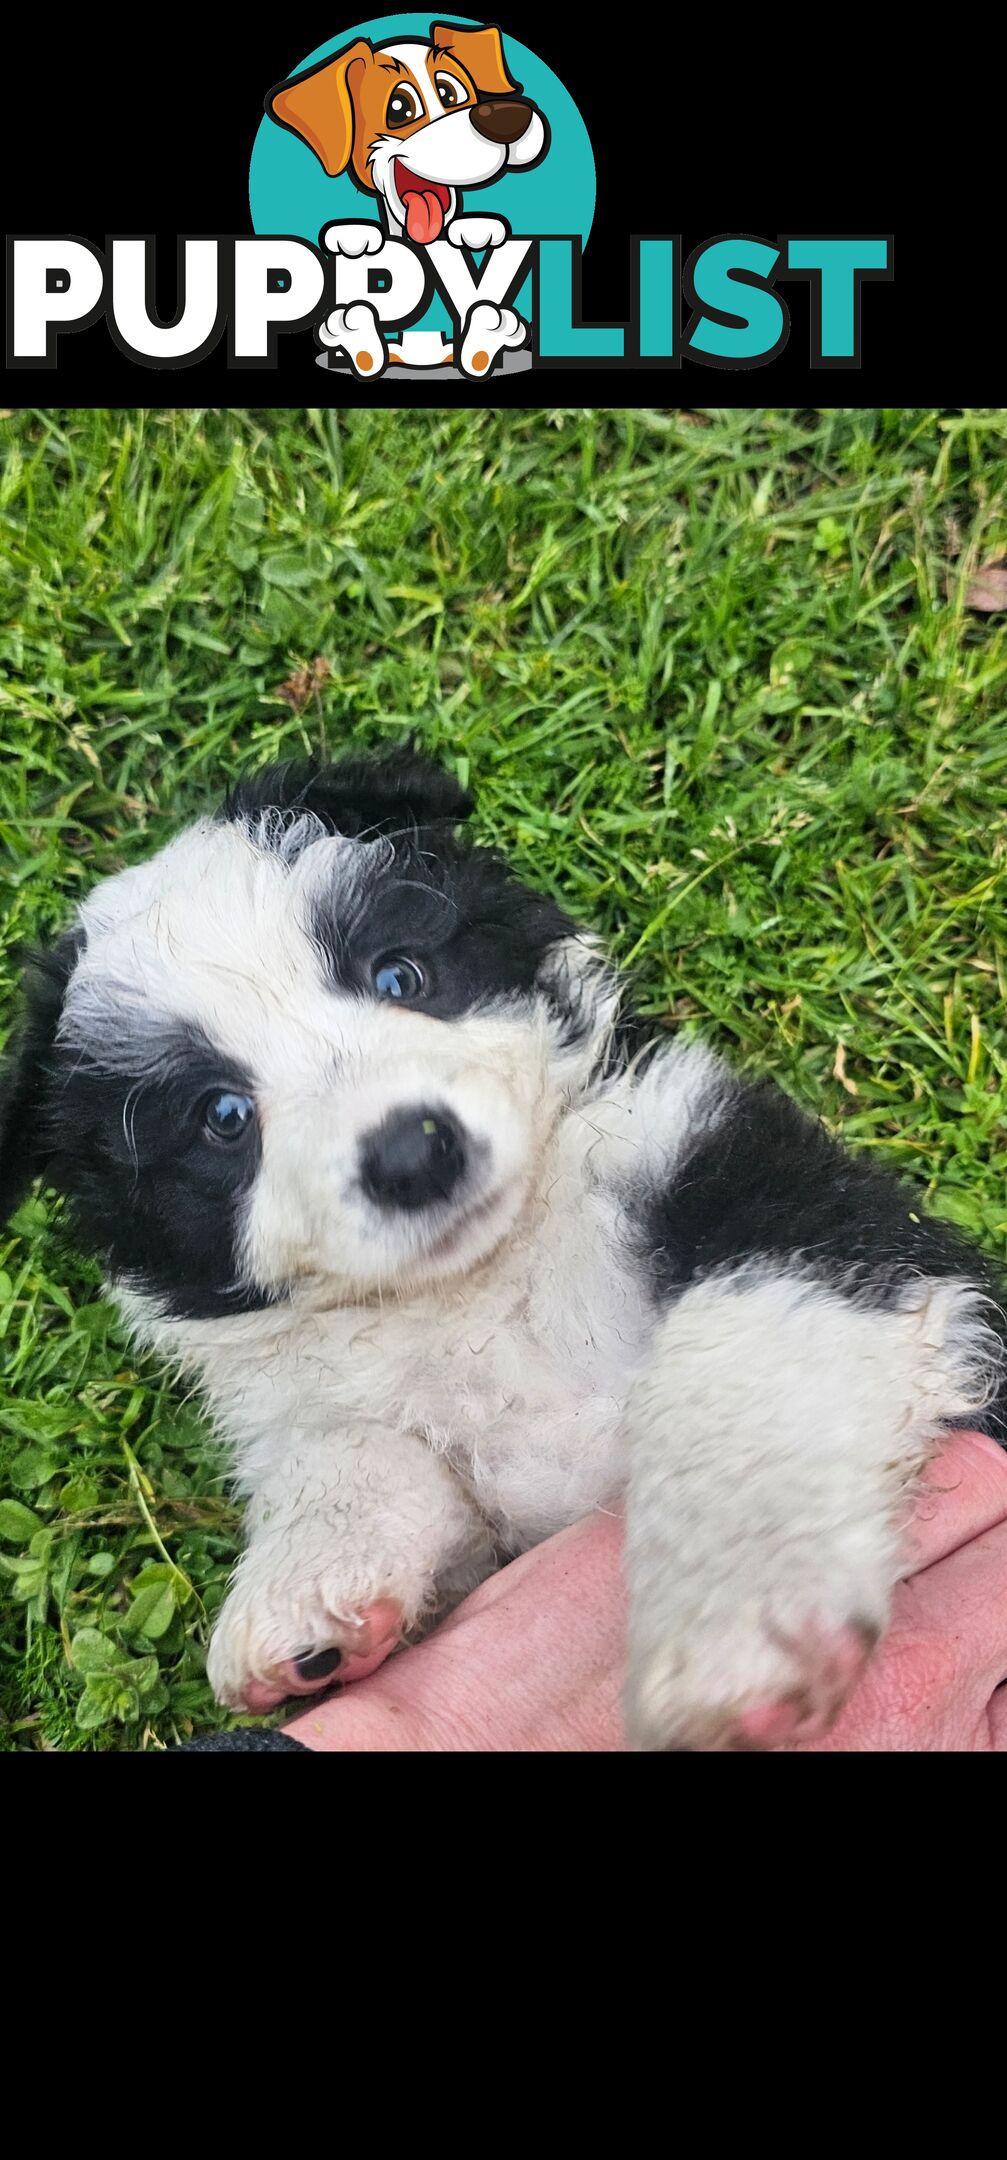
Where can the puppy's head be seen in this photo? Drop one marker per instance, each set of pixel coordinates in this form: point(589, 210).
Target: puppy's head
point(313, 1048)
point(414, 121)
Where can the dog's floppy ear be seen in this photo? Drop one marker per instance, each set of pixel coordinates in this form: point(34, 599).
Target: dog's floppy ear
point(359, 796)
point(480, 53)
point(318, 105)
point(24, 1075)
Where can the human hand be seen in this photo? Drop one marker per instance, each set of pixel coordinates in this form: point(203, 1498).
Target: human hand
point(532, 1661)
point(933, 1684)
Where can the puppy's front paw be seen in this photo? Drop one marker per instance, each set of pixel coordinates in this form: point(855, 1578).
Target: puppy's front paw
point(756, 1677)
point(296, 1641)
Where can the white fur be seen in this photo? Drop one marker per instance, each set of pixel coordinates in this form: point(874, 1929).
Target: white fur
point(822, 1412)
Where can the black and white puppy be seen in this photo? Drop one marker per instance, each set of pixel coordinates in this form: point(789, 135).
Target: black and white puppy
point(352, 1120)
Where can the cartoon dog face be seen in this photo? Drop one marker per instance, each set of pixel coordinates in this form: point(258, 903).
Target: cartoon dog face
point(451, 101)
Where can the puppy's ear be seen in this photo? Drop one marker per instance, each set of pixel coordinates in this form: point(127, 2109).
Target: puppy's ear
point(480, 53)
point(25, 1073)
point(362, 797)
point(319, 105)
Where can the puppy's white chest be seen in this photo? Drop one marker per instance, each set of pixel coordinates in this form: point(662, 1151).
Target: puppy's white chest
point(520, 1385)
point(533, 1433)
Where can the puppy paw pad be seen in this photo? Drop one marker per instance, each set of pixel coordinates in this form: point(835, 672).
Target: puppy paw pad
point(343, 1649)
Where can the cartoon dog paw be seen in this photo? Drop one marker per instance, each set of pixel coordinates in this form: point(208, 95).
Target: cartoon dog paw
point(477, 232)
point(354, 330)
point(488, 331)
point(353, 239)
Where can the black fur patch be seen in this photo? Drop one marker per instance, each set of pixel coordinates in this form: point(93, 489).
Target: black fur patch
point(476, 932)
point(27, 1068)
point(358, 796)
point(764, 1181)
point(156, 1199)
point(634, 1043)
point(149, 1194)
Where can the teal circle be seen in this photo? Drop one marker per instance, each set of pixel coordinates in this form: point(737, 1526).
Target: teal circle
point(288, 192)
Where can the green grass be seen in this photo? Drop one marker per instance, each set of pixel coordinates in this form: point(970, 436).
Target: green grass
point(716, 684)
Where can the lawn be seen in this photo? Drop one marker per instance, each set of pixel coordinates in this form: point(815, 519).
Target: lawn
point(717, 684)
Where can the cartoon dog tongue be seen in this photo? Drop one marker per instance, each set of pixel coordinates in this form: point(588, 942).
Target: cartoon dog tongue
point(424, 214)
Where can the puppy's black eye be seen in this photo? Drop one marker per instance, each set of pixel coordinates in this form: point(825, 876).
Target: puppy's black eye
point(228, 1116)
point(402, 107)
point(394, 978)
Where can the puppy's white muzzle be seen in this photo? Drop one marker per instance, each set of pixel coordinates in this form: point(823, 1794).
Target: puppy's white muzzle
point(342, 1193)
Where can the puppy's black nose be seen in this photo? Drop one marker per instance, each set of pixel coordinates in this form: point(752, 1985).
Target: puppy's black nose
point(503, 121)
point(413, 1159)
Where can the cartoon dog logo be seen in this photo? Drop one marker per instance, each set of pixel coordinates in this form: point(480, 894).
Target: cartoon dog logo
point(414, 122)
